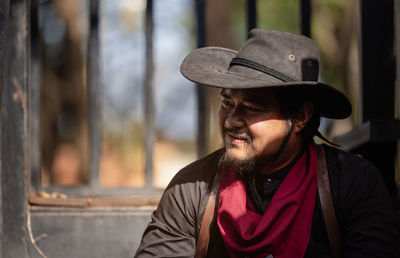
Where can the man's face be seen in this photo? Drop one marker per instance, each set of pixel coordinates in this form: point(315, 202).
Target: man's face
point(251, 124)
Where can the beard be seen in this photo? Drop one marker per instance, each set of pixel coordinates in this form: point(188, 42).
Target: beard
point(242, 167)
point(253, 162)
point(248, 165)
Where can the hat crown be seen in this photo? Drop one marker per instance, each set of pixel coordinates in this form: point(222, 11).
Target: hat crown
point(268, 59)
point(295, 56)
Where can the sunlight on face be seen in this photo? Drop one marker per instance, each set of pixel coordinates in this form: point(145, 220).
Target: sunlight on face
point(251, 124)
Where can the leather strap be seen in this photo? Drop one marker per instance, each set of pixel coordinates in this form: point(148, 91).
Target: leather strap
point(208, 216)
point(328, 210)
point(325, 197)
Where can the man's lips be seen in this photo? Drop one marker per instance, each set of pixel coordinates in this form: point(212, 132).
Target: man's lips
point(238, 137)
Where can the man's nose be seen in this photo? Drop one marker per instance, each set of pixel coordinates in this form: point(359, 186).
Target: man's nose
point(235, 119)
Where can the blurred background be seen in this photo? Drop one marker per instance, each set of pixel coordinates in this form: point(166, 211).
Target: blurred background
point(64, 36)
point(64, 33)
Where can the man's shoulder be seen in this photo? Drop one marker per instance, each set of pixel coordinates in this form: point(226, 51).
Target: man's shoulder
point(348, 171)
point(202, 169)
point(211, 160)
point(341, 159)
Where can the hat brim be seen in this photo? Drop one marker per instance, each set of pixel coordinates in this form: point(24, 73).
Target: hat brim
point(209, 66)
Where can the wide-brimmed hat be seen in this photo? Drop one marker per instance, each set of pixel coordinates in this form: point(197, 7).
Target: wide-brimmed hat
point(268, 59)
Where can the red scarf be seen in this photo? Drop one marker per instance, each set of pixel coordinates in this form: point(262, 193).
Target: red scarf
point(285, 227)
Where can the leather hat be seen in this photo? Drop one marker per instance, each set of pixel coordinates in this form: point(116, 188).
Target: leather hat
point(268, 59)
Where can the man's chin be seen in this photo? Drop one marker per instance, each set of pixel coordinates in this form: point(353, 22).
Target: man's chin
point(238, 154)
point(242, 163)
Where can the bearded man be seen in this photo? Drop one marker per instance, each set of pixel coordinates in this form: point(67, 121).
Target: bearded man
point(271, 191)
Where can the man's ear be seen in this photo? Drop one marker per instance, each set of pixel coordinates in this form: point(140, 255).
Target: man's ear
point(303, 116)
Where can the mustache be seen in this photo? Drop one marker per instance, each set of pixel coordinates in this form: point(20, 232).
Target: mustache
point(236, 134)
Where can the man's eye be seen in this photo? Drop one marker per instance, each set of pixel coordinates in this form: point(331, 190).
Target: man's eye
point(253, 109)
point(226, 103)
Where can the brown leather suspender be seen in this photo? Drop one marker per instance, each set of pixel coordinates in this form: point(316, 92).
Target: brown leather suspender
point(208, 216)
point(328, 210)
point(325, 197)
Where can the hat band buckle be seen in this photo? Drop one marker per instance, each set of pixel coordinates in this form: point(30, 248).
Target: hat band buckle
point(261, 68)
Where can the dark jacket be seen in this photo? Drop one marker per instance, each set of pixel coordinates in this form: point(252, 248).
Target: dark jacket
point(363, 207)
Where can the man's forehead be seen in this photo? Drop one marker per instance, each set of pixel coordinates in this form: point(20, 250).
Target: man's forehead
point(258, 95)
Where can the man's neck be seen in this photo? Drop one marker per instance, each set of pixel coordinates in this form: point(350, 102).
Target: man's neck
point(284, 159)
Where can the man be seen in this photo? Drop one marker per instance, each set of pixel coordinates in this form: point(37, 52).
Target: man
point(270, 199)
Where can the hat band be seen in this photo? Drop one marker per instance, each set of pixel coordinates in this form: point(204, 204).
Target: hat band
point(261, 68)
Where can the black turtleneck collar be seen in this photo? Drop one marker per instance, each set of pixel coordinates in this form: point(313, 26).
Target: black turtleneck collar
point(262, 187)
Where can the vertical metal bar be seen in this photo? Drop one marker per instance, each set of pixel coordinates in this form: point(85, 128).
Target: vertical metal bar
point(377, 80)
point(34, 98)
point(305, 17)
point(200, 90)
point(397, 90)
point(251, 14)
point(397, 37)
point(4, 4)
point(13, 133)
point(95, 93)
point(3, 22)
point(377, 68)
point(149, 98)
